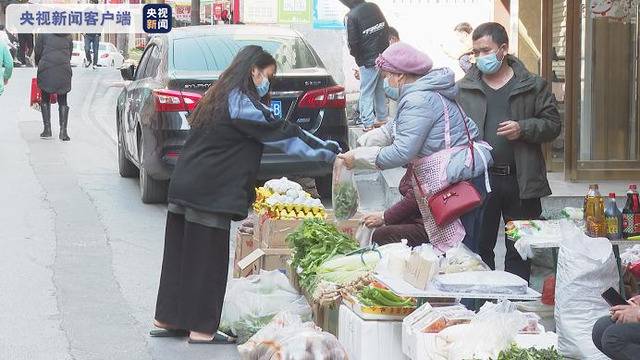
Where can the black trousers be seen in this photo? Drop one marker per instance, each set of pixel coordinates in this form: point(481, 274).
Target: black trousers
point(62, 98)
point(504, 201)
point(617, 341)
point(194, 275)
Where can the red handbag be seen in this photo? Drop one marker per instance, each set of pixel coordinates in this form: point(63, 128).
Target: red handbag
point(455, 200)
point(36, 95)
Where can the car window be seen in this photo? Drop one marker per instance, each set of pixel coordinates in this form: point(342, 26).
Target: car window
point(103, 47)
point(151, 69)
point(140, 71)
point(215, 53)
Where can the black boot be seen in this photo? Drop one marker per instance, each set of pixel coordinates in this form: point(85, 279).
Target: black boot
point(46, 119)
point(63, 112)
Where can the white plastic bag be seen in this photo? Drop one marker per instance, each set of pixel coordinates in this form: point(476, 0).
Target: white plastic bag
point(250, 303)
point(393, 262)
point(586, 268)
point(363, 235)
point(492, 330)
point(287, 337)
point(345, 195)
point(461, 259)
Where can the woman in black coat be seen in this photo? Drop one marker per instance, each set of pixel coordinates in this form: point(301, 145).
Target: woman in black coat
point(53, 58)
point(213, 184)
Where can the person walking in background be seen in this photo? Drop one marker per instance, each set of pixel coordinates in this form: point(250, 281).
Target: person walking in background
point(91, 45)
point(394, 37)
point(6, 66)
point(53, 58)
point(25, 48)
point(516, 113)
point(213, 184)
point(426, 110)
point(368, 37)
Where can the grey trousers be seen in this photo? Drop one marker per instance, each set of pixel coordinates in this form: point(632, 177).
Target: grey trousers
point(617, 341)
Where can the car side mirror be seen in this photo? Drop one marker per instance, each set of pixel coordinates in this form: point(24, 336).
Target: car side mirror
point(128, 72)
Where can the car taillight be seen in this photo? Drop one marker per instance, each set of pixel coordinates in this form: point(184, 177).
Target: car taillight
point(104, 56)
point(331, 97)
point(172, 100)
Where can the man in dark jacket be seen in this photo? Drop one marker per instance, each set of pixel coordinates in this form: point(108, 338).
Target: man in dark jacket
point(367, 35)
point(516, 113)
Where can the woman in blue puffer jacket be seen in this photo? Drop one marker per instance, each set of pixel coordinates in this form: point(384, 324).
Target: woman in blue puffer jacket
point(418, 130)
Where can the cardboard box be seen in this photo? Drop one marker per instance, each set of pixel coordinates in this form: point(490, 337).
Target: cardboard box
point(273, 233)
point(245, 245)
point(370, 339)
point(264, 259)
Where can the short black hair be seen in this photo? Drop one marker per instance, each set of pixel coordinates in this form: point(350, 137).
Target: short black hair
point(464, 27)
point(496, 31)
point(393, 32)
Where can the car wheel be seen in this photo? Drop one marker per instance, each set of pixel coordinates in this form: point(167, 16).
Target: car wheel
point(126, 168)
point(324, 186)
point(152, 191)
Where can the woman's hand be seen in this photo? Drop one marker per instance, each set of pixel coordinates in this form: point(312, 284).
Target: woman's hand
point(626, 314)
point(635, 300)
point(348, 158)
point(375, 220)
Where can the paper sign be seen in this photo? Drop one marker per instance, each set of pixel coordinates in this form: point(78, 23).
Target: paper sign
point(294, 11)
point(329, 14)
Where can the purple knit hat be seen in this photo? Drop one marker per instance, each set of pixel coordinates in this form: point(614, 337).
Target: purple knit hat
point(402, 58)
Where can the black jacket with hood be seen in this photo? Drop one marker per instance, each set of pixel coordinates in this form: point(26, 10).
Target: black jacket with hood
point(367, 31)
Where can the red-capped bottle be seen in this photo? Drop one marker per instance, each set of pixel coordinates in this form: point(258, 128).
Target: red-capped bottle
point(631, 213)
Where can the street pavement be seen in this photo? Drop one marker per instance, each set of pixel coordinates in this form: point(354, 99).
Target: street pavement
point(81, 255)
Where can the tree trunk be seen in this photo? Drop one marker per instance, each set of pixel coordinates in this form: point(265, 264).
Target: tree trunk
point(195, 12)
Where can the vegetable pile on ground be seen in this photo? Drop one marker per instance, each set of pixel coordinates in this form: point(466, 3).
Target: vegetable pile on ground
point(313, 243)
point(516, 353)
point(373, 295)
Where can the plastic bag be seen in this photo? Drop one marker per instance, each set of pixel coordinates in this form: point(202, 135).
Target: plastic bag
point(345, 195)
point(250, 303)
point(586, 268)
point(482, 282)
point(493, 329)
point(363, 235)
point(461, 259)
point(288, 337)
point(393, 263)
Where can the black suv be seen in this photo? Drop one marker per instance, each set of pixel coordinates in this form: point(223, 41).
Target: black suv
point(177, 68)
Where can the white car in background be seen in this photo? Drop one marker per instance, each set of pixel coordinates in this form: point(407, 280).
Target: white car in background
point(108, 55)
point(77, 55)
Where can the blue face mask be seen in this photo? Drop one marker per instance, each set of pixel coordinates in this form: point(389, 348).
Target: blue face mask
point(489, 64)
point(392, 93)
point(263, 88)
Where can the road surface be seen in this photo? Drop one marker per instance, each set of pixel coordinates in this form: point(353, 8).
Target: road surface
point(81, 255)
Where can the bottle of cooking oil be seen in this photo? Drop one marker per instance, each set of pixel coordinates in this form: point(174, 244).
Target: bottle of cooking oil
point(594, 213)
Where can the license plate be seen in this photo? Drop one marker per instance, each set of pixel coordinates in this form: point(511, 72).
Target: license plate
point(276, 108)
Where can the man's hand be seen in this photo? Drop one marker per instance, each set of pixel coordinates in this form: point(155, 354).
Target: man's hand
point(626, 314)
point(348, 158)
point(374, 220)
point(509, 129)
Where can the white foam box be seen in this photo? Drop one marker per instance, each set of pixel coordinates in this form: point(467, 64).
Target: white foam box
point(370, 339)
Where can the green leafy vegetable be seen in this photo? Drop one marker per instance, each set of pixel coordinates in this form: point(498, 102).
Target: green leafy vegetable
point(517, 353)
point(345, 200)
point(313, 243)
point(373, 296)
